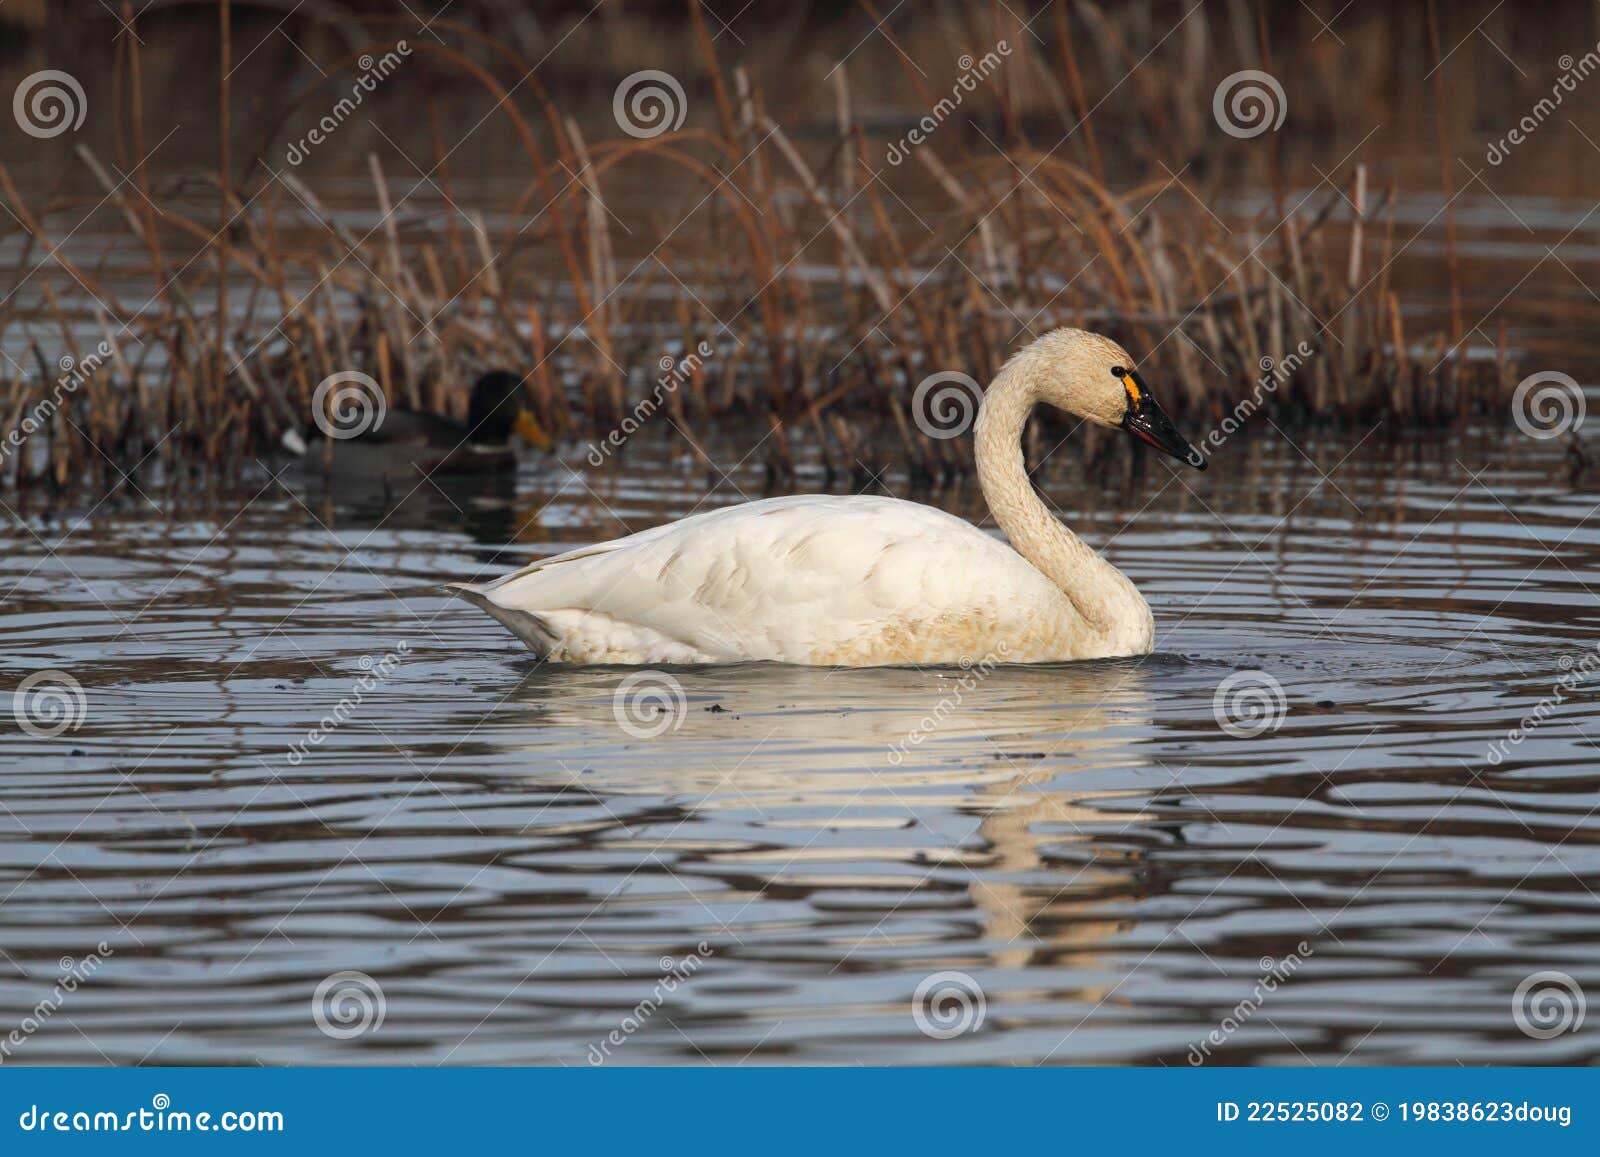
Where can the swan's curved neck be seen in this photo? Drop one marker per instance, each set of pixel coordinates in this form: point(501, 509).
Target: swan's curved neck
point(1099, 592)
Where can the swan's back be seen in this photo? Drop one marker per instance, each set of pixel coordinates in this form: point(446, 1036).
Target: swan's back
point(805, 579)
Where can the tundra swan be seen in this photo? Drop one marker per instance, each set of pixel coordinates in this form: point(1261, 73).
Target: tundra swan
point(865, 581)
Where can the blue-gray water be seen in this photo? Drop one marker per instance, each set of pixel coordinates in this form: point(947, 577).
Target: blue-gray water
point(513, 869)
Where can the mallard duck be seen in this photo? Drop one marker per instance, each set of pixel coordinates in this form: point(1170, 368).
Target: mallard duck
point(866, 581)
point(371, 441)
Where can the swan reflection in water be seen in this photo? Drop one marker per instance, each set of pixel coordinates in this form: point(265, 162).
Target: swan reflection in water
point(936, 780)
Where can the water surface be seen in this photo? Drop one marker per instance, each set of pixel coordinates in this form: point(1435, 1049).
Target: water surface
point(515, 869)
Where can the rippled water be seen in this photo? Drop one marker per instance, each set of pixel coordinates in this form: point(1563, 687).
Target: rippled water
point(1106, 863)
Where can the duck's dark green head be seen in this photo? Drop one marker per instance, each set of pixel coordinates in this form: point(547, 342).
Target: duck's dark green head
point(498, 408)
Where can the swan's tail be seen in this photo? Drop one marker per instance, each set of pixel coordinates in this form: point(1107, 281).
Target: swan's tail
point(533, 630)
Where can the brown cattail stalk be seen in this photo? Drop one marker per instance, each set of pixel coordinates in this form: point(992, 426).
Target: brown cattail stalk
point(1446, 181)
point(224, 190)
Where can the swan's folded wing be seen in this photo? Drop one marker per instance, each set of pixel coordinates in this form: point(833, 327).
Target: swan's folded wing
point(782, 579)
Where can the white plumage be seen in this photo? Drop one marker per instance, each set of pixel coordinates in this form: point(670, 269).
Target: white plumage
point(859, 581)
point(807, 579)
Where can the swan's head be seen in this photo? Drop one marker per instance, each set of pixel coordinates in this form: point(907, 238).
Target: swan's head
point(1094, 378)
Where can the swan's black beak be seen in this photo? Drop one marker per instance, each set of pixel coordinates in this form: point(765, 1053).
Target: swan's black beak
point(1148, 422)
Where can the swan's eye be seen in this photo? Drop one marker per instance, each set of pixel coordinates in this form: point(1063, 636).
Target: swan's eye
point(1117, 372)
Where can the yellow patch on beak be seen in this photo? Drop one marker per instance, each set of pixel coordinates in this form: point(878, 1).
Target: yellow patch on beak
point(529, 430)
point(1132, 387)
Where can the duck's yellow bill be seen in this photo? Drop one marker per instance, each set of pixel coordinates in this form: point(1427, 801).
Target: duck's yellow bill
point(529, 430)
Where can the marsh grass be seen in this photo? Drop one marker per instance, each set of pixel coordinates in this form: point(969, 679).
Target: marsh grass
point(824, 296)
